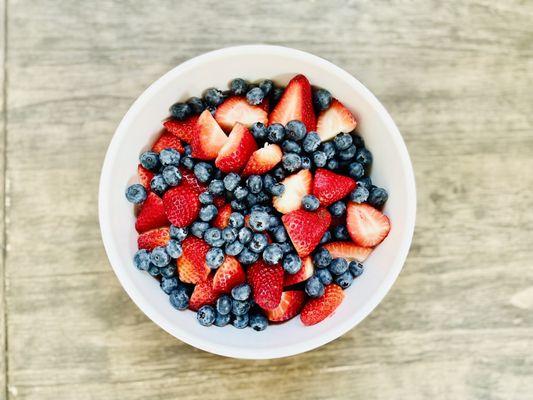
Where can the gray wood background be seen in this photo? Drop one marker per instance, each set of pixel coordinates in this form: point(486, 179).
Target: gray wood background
point(457, 76)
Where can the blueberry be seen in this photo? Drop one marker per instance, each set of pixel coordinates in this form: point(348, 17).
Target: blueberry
point(213, 237)
point(321, 99)
point(268, 182)
point(356, 170)
point(311, 142)
point(214, 257)
point(259, 130)
point(206, 315)
point(277, 189)
point(254, 183)
point(213, 96)
point(231, 181)
point(261, 208)
point(179, 299)
point(171, 175)
point(208, 212)
point(218, 174)
point(159, 257)
point(216, 187)
point(377, 197)
point(262, 197)
point(286, 247)
point(273, 223)
point(149, 160)
point(338, 266)
point(342, 141)
point(280, 234)
point(366, 182)
point(291, 162)
point(196, 105)
point(169, 157)
point(332, 164)
point(296, 130)
point(245, 234)
point(206, 198)
point(168, 285)
point(356, 268)
point(364, 157)
point(320, 159)
point(340, 233)
point(276, 133)
point(292, 263)
point(259, 221)
point(306, 162)
point(141, 260)
point(322, 258)
point(313, 287)
point(278, 173)
point(223, 304)
point(329, 149)
point(258, 322)
point(241, 292)
point(266, 86)
point(344, 280)
point(238, 86)
point(178, 233)
point(359, 194)
point(187, 162)
point(236, 220)
point(187, 150)
point(168, 272)
point(273, 254)
point(255, 96)
point(158, 184)
point(229, 234)
point(240, 307)
point(337, 209)
point(258, 243)
point(348, 154)
point(276, 95)
point(290, 146)
point(136, 193)
point(240, 192)
point(174, 249)
point(251, 200)
point(180, 111)
point(238, 205)
point(248, 257)
point(203, 171)
point(324, 275)
point(154, 270)
point(198, 228)
point(357, 140)
point(234, 248)
point(241, 321)
point(326, 238)
point(222, 320)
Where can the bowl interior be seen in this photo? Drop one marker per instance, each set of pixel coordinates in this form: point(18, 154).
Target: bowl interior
point(138, 130)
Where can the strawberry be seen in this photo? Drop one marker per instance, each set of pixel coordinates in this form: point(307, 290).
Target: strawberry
point(145, 176)
point(219, 201)
point(209, 138)
point(306, 229)
point(149, 240)
point(316, 310)
point(263, 160)
point(296, 187)
point(295, 103)
point(303, 274)
point(334, 120)
point(152, 214)
point(366, 225)
point(288, 307)
point(181, 205)
point(203, 294)
point(348, 250)
point(234, 155)
point(222, 219)
point(228, 275)
point(329, 187)
point(167, 141)
point(236, 109)
point(192, 267)
point(267, 284)
point(189, 178)
point(185, 130)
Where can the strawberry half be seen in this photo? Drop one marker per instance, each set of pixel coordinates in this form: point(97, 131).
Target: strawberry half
point(181, 205)
point(203, 294)
point(228, 275)
point(152, 214)
point(263, 160)
point(209, 138)
point(366, 225)
point(185, 130)
point(236, 109)
point(303, 274)
point(296, 187)
point(316, 310)
point(149, 240)
point(222, 219)
point(167, 141)
point(192, 267)
point(295, 103)
point(329, 187)
point(190, 179)
point(238, 148)
point(348, 250)
point(289, 306)
point(334, 120)
point(306, 229)
point(145, 176)
point(267, 284)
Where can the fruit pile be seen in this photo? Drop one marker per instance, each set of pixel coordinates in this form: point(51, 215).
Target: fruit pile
point(256, 205)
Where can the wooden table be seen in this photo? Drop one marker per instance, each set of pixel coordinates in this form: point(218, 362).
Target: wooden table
point(456, 76)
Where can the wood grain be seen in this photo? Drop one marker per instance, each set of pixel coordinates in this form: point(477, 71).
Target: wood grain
point(3, 354)
point(456, 77)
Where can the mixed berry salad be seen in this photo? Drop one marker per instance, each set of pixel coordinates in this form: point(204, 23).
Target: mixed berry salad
point(256, 204)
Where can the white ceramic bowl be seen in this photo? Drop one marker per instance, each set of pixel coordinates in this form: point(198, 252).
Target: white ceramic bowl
point(391, 169)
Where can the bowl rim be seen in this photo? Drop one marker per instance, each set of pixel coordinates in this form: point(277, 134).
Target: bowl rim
point(232, 351)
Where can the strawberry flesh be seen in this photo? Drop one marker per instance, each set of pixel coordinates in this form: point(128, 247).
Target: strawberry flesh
point(228, 275)
point(296, 187)
point(151, 239)
point(209, 138)
point(181, 205)
point(289, 306)
point(318, 309)
point(152, 214)
point(366, 225)
point(267, 284)
point(263, 160)
point(192, 266)
point(167, 141)
point(348, 250)
point(203, 294)
point(237, 110)
point(239, 147)
point(303, 274)
point(334, 120)
point(329, 187)
point(306, 228)
point(184, 130)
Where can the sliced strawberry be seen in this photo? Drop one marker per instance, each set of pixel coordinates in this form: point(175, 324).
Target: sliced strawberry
point(236, 109)
point(316, 310)
point(295, 103)
point(329, 187)
point(167, 141)
point(265, 106)
point(145, 176)
point(152, 214)
point(296, 187)
point(222, 219)
point(267, 284)
point(189, 178)
point(306, 229)
point(181, 205)
point(203, 294)
point(348, 250)
point(366, 225)
point(219, 201)
point(228, 275)
point(289, 306)
point(185, 130)
point(303, 274)
point(334, 120)
point(209, 138)
point(192, 266)
point(263, 160)
point(239, 147)
point(149, 240)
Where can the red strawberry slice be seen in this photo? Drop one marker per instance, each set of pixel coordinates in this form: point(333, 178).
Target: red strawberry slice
point(303, 274)
point(306, 229)
point(167, 141)
point(219, 202)
point(236, 109)
point(296, 187)
point(234, 155)
point(267, 284)
point(149, 240)
point(181, 205)
point(348, 250)
point(295, 103)
point(228, 275)
point(316, 310)
point(263, 160)
point(329, 187)
point(192, 266)
point(289, 306)
point(145, 176)
point(152, 214)
point(190, 179)
point(334, 120)
point(185, 130)
point(209, 138)
point(222, 219)
point(203, 294)
point(366, 225)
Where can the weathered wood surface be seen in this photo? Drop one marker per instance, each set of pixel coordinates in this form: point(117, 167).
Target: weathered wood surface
point(457, 78)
